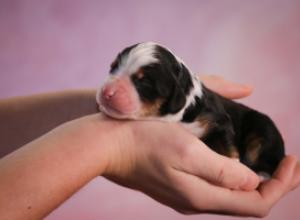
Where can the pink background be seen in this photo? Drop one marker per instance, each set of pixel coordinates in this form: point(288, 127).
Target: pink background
point(61, 44)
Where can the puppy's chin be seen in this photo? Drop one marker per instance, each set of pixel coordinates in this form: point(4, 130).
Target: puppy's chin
point(114, 113)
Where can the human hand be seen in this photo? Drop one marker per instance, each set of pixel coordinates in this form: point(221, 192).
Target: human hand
point(184, 174)
point(225, 88)
point(168, 164)
point(175, 168)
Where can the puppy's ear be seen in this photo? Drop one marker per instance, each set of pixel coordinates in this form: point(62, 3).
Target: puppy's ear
point(163, 88)
point(181, 86)
point(176, 101)
point(184, 78)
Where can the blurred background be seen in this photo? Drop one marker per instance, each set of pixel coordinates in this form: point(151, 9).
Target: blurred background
point(64, 44)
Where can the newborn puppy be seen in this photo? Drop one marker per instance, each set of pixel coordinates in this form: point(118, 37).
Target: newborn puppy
point(147, 81)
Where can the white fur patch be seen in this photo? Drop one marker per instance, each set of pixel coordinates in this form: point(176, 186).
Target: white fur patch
point(263, 176)
point(141, 55)
point(195, 91)
point(195, 128)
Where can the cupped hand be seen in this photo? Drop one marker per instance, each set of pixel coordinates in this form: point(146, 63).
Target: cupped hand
point(175, 168)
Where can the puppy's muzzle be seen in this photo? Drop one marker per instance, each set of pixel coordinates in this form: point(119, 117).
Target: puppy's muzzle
point(118, 98)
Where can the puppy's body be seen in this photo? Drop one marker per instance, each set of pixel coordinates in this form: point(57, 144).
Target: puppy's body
point(234, 130)
point(147, 81)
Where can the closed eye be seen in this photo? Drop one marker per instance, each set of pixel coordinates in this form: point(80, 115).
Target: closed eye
point(145, 87)
point(142, 82)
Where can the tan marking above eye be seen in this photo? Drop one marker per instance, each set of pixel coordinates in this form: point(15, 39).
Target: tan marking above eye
point(139, 74)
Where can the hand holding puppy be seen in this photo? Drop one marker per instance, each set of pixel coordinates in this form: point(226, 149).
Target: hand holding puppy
point(168, 164)
point(175, 168)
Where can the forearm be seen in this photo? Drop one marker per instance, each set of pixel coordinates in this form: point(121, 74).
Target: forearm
point(25, 118)
point(38, 177)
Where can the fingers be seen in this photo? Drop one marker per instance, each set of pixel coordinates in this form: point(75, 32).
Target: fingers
point(260, 202)
point(201, 161)
point(281, 182)
point(225, 88)
point(206, 197)
point(269, 192)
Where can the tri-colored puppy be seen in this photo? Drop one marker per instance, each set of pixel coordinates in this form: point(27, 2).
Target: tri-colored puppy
point(147, 81)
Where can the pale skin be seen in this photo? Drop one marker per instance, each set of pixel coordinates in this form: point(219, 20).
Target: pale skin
point(168, 163)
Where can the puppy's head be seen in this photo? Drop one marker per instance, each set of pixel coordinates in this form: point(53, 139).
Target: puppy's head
point(147, 81)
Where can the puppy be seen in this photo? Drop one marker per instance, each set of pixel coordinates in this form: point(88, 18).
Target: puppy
point(147, 81)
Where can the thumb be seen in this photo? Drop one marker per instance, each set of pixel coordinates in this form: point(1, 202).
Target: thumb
point(225, 88)
point(232, 174)
point(218, 169)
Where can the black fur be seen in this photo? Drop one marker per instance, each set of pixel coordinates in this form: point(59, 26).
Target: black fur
point(231, 126)
point(167, 80)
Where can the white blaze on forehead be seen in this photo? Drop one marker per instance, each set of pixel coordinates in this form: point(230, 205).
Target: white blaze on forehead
point(144, 54)
point(141, 55)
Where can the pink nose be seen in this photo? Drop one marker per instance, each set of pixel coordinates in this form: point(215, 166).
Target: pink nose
point(108, 91)
point(119, 95)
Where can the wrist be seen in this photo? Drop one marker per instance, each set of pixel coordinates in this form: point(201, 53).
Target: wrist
point(118, 141)
point(108, 141)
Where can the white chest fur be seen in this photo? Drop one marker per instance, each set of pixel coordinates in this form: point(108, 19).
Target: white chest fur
point(197, 128)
